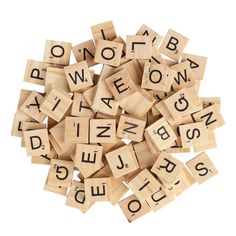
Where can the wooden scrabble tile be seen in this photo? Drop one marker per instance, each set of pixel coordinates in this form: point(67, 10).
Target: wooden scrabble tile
point(131, 128)
point(88, 158)
point(80, 106)
point(138, 47)
point(60, 173)
point(122, 161)
point(144, 184)
point(133, 208)
point(104, 100)
point(85, 52)
point(180, 103)
point(183, 181)
point(118, 190)
point(159, 199)
point(57, 52)
point(201, 167)
point(102, 130)
point(156, 57)
point(97, 189)
point(193, 135)
point(78, 76)
point(32, 106)
point(108, 52)
point(18, 120)
point(121, 85)
point(210, 144)
point(26, 126)
point(211, 116)
point(56, 78)
point(144, 155)
point(56, 103)
point(196, 63)
point(173, 45)
point(76, 197)
point(89, 95)
point(138, 104)
point(107, 147)
point(35, 72)
point(37, 142)
point(184, 76)
point(55, 189)
point(76, 130)
point(161, 134)
point(167, 167)
point(104, 31)
point(157, 77)
point(146, 31)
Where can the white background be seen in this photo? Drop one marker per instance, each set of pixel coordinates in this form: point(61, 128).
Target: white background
point(25, 209)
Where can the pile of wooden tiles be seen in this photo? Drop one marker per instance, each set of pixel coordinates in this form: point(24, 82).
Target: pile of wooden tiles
point(109, 132)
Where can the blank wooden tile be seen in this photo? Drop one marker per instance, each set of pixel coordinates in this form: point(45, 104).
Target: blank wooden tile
point(161, 134)
point(104, 31)
point(118, 190)
point(104, 100)
point(133, 208)
point(167, 167)
point(184, 76)
point(76, 197)
point(35, 72)
point(88, 158)
point(108, 52)
point(146, 31)
point(122, 161)
point(138, 47)
point(157, 77)
point(137, 104)
point(76, 130)
point(97, 189)
point(201, 167)
point(173, 45)
point(80, 106)
point(144, 184)
point(196, 63)
point(37, 142)
point(131, 128)
point(56, 78)
point(121, 85)
point(57, 52)
point(78, 76)
point(32, 106)
point(180, 103)
point(159, 199)
point(193, 135)
point(211, 116)
point(56, 103)
point(102, 130)
point(85, 52)
point(144, 155)
point(60, 173)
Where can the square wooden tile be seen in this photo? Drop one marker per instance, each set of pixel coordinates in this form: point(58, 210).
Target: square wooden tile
point(131, 128)
point(122, 161)
point(173, 45)
point(202, 167)
point(88, 158)
point(36, 142)
point(167, 167)
point(57, 52)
